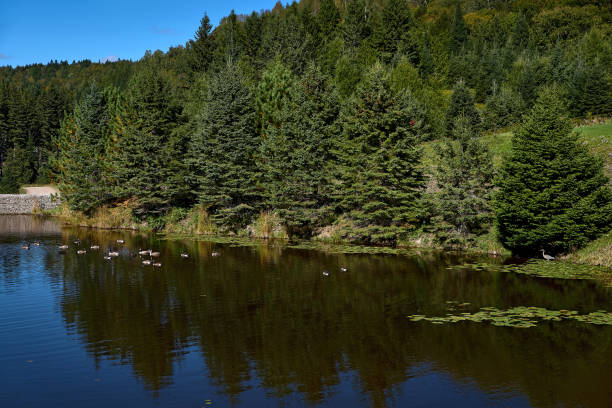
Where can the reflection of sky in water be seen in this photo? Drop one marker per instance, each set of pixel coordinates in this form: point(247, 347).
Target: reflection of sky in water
point(262, 327)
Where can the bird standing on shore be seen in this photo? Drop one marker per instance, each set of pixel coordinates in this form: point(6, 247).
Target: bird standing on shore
point(547, 257)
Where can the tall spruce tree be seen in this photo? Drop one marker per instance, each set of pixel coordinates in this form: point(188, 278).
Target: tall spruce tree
point(296, 158)
point(356, 27)
point(328, 19)
point(459, 31)
point(393, 31)
point(222, 153)
point(82, 141)
point(462, 104)
point(465, 178)
point(426, 65)
point(381, 181)
point(202, 46)
point(146, 158)
point(272, 96)
point(553, 194)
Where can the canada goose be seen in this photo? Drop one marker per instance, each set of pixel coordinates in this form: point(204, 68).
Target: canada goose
point(325, 273)
point(121, 241)
point(547, 257)
point(26, 246)
point(81, 251)
point(343, 269)
point(215, 253)
point(184, 255)
point(36, 243)
point(94, 247)
point(157, 264)
point(62, 247)
point(106, 257)
point(146, 252)
point(154, 254)
point(77, 242)
point(146, 262)
point(113, 253)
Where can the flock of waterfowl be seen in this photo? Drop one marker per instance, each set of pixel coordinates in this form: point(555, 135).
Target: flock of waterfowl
point(112, 253)
point(146, 252)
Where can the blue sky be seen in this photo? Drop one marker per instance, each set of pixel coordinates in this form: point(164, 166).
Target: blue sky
point(33, 31)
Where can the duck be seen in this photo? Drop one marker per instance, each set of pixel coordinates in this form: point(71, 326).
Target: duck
point(62, 247)
point(81, 251)
point(94, 247)
point(145, 252)
point(107, 258)
point(113, 253)
point(325, 273)
point(77, 242)
point(147, 262)
point(157, 264)
point(184, 255)
point(215, 253)
point(344, 269)
point(121, 241)
point(36, 243)
point(154, 254)
point(26, 246)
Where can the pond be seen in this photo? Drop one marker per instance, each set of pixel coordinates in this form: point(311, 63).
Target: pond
point(267, 325)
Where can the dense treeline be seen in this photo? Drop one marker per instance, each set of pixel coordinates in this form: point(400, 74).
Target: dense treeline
point(311, 119)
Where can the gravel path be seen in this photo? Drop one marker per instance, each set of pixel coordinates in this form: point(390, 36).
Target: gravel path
point(41, 191)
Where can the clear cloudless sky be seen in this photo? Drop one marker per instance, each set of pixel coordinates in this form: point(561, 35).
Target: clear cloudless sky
point(38, 31)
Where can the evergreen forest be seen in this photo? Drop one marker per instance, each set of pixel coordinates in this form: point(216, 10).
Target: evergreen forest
point(345, 120)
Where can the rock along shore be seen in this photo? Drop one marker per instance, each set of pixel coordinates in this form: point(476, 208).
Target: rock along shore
point(26, 203)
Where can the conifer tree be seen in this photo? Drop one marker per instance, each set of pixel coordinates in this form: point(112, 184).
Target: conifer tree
point(356, 26)
point(272, 95)
point(459, 31)
point(296, 157)
point(381, 181)
point(393, 31)
point(328, 19)
point(590, 90)
point(426, 66)
point(553, 194)
point(519, 38)
point(203, 46)
point(465, 178)
point(462, 104)
point(82, 142)
point(147, 161)
point(222, 153)
point(17, 170)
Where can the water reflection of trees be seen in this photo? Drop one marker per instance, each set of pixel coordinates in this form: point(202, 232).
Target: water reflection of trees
point(268, 315)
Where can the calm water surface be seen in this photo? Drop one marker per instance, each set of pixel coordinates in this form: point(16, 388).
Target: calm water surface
point(262, 327)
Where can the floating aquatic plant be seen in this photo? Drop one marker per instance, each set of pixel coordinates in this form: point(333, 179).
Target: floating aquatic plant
point(520, 317)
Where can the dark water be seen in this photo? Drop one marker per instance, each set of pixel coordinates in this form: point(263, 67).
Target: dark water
point(261, 326)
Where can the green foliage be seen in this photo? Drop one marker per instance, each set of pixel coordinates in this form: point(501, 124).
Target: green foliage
point(459, 31)
point(381, 183)
point(462, 105)
point(221, 152)
point(202, 47)
point(272, 96)
point(590, 90)
point(503, 108)
point(356, 28)
point(82, 142)
point(552, 192)
point(465, 179)
point(296, 158)
point(393, 31)
point(17, 170)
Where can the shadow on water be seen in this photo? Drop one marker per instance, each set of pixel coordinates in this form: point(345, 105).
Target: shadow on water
point(266, 319)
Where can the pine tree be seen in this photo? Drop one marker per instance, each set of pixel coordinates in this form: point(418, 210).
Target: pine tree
point(459, 31)
point(272, 95)
point(462, 104)
point(590, 90)
point(82, 141)
point(519, 38)
point(328, 19)
point(17, 170)
point(203, 46)
point(426, 66)
point(553, 194)
point(146, 159)
point(465, 178)
point(222, 152)
point(296, 157)
point(356, 26)
point(393, 31)
point(381, 181)
point(503, 108)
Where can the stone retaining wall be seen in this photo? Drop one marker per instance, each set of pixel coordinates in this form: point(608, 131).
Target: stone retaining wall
point(25, 203)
